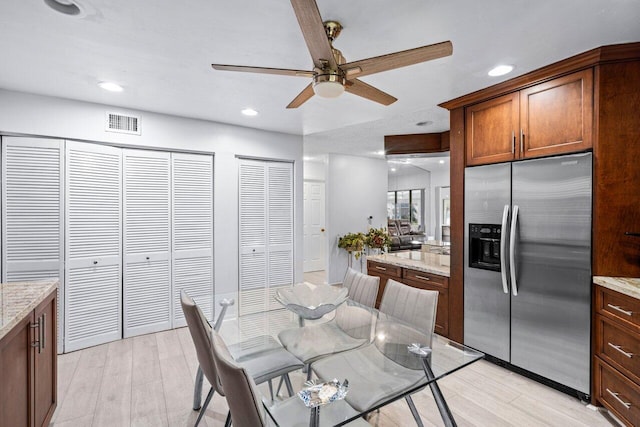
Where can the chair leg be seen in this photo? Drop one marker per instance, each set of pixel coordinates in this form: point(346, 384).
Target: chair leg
point(287, 381)
point(197, 390)
point(227, 422)
point(308, 366)
point(280, 385)
point(204, 407)
point(414, 411)
point(271, 389)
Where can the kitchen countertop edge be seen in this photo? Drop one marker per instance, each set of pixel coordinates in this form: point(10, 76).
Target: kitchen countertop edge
point(48, 287)
point(423, 266)
point(625, 285)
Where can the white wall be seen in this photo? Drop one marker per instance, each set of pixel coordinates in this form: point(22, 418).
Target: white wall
point(356, 189)
point(28, 114)
point(315, 170)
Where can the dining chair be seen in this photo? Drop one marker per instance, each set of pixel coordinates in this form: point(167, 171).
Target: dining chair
point(247, 408)
point(352, 327)
point(271, 361)
point(407, 315)
point(362, 288)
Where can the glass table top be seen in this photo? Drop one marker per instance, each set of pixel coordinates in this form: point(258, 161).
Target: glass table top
point(381, 370)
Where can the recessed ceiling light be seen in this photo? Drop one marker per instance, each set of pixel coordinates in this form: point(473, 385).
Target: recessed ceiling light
point(500, 70)
point(111, 86)
point(307, 158)
point(393, 169)
point(441, 162)
point(66, 7)
point(424, 123)
point(249, 112)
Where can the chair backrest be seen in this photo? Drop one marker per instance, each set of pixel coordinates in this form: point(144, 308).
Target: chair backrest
point(392, 227)
point(416, 307)
point(200, 331)
point(363, 289)
point(405, 227)
point(240, 389)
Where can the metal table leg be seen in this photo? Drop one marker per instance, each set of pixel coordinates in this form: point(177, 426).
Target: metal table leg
point(445, 412)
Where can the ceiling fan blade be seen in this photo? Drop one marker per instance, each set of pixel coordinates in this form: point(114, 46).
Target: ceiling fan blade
point(263, 70)
point(314, 33)
point(302, 97)
point(360, 88)
point(364, 67)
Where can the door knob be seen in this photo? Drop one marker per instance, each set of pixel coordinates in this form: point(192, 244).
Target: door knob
point(322, 230)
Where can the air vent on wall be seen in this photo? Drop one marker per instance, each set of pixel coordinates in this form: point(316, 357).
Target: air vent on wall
point(123, 123)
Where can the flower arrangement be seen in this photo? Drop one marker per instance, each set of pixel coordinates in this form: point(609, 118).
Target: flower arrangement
point(352, 242)
point(377, 238)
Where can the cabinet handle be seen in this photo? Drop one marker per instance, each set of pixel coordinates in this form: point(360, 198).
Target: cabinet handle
point(36, 343)
point(618, 308)
point(615, 396)
point(43, 332)
point(513, 142)
point(423, 277)
point(619, 348)
point(521, 140)
point(380, 268)
point(632, 234)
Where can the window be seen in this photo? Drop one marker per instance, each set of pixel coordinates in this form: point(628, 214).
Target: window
point(407, 205)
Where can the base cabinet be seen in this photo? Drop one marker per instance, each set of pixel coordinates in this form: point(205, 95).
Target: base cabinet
point(417, 279)
point(616, 345)
point(28, 365)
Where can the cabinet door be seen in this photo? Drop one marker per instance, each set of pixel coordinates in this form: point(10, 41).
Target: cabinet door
point(490, 129)
point(557, 116)
point(146, 242)
point(15, 368)
point(93, 297)
point(45, 363)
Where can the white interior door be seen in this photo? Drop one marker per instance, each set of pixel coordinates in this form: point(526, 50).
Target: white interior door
point(314, 226)
point(146, 242)
point(192, 240)
point(32, 214)
point(93, 297)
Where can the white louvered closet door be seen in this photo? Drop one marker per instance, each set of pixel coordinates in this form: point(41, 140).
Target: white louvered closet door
point(192, 194)
point(266, 232)
point(146, 242)
point(32, 214)
point(280, 227)
point(93, 297)
point(253, 236)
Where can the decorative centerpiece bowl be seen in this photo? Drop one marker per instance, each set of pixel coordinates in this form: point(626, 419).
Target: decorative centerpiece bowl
point(311, 301)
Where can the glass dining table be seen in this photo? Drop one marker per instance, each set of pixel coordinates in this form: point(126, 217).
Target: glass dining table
point(393, 362)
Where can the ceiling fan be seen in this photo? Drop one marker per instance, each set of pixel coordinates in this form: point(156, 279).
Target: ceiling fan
point(331, 74)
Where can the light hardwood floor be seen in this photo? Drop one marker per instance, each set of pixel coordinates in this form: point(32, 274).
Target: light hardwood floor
point(148, 381)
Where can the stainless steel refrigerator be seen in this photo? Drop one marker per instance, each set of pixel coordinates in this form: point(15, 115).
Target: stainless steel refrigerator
point(527, 277)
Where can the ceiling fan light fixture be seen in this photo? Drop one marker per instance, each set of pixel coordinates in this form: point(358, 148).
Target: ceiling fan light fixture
point(330, 85)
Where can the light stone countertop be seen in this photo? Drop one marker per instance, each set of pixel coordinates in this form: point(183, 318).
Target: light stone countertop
point(20, 298)
point(417, 260)
point(625, 285)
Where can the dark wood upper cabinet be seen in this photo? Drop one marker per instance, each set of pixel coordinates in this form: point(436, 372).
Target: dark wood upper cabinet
point(490, 130)
point(550, 118)
point(557, 116)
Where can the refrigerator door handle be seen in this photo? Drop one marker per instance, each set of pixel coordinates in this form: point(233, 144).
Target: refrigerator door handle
point(512, 250)
point(503, 249)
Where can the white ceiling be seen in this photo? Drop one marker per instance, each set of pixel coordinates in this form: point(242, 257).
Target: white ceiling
point(161, 52)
